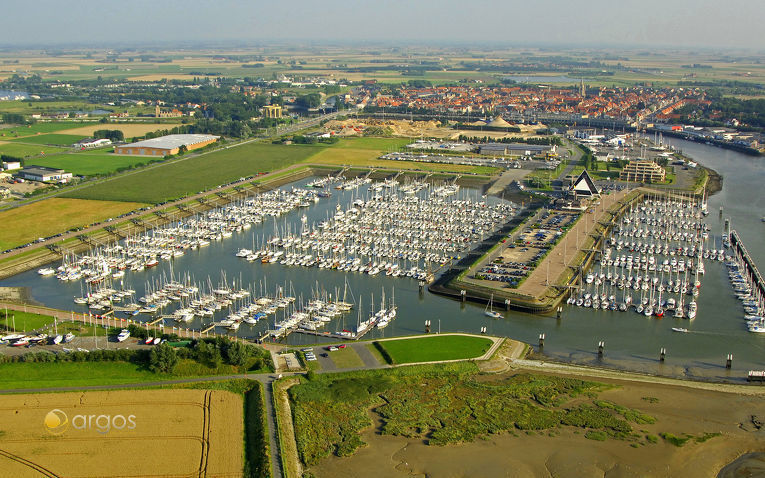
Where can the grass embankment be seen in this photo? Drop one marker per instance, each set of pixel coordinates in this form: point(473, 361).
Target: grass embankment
point(197, 173)
point(449, 403)
point(50, 216)
point(433, 348)
point(73, 374)
point(288, 444)
point(256, 444)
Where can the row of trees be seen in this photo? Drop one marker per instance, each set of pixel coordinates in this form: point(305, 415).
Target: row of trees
point(112, 134)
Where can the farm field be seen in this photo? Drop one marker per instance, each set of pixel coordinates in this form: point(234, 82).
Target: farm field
point(436, 347)
point(51, 138)
point(128, 129)
point(188, 176)
point(179, 432)
point(12, 131)
point(50, 216)
point(88, 163)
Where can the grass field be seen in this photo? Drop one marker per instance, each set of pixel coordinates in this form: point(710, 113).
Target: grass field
point(50, 216)
point(346, 358)
point(192, 175)
point(23, 321)
point(88, 163)
point(23, 150)
point(368, 158)
point(12, 131)
point(376, 144)
point(73, 374)
point(51, 138)
point(436, 347)
point(171, 432)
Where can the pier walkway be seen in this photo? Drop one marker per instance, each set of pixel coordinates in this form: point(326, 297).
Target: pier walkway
point(751, 267)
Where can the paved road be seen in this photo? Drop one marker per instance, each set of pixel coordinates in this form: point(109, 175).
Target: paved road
point(573, 160)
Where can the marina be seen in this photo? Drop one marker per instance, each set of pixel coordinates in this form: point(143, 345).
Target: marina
point(652, 262)
point(632, 341)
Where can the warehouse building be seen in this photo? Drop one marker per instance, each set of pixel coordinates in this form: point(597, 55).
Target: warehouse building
point(42, 174)
point(164, 145)
point(516, 149)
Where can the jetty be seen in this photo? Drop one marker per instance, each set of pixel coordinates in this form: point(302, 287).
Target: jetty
point(750, 267)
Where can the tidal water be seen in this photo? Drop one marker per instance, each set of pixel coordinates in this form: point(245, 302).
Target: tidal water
point(632, 341)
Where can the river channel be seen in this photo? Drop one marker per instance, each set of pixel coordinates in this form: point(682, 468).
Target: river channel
point(632, 341)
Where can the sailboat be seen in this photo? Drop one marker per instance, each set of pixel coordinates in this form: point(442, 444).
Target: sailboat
point(489, 311)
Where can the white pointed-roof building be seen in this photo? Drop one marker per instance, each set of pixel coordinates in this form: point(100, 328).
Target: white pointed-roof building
point(583, 187)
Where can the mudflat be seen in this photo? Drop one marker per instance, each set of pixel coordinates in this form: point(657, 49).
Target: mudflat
point(565, 452)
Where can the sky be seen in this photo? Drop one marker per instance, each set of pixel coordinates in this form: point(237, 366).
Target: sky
point(688, 24)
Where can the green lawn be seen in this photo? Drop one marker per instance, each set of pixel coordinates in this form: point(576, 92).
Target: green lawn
point(23, 150)
point(23, 321)
point(52, 138)
point(346, 358)
point(436, 347)
point(88, 163)
point(188, 176)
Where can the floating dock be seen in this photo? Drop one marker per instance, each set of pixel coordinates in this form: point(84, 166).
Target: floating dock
point(278, 334)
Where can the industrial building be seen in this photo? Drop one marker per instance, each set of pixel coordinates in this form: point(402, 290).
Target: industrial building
point(92, 143)
point(644, 171)
point(42, 174)
point(517, 149)
point(165, 145)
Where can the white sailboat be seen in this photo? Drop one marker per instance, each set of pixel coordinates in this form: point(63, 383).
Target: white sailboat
point(489, 311)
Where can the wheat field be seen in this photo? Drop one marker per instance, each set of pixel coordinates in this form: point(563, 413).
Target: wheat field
point(176, 433)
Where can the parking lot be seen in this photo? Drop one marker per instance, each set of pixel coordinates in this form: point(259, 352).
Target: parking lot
point(519, 258)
